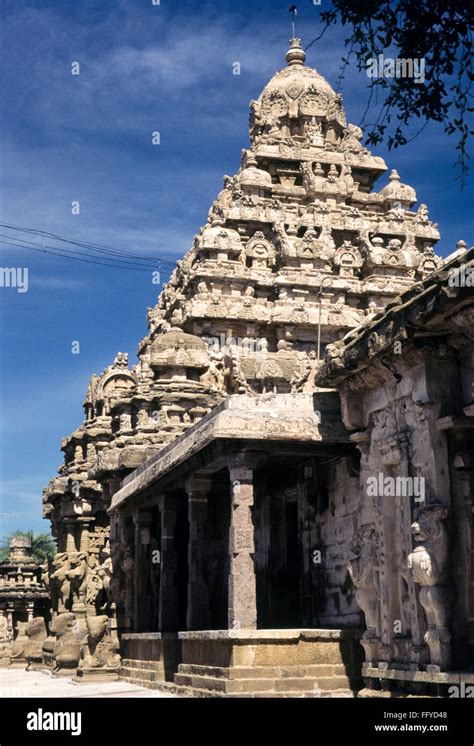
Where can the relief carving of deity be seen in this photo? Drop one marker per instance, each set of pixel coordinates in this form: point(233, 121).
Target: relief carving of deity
point(363, 572)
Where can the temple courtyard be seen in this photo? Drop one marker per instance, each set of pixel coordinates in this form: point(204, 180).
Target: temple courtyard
point(20, 683)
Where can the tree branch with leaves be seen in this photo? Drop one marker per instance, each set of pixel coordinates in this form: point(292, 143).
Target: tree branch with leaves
point(436, 31)
point(43, 546)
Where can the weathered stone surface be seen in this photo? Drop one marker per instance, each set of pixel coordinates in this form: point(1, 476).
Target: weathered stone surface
point(406, 383)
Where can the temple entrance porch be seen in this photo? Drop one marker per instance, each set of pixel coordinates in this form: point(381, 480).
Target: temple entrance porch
point(225, 542)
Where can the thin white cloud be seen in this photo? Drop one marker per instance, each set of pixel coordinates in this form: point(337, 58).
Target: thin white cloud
point(57, 283)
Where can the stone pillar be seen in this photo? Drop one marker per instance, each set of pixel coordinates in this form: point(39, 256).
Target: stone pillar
point(463, 549)
point(242, 582)
point(308, 545)
point(70, 525)
point(411, 621)
point(198, 612)
point(142, 570)
point(11, 630)
point(168, 612)
point(84, 527)
point(30, 610)
point(128, 569)
point(361, 440)
point(367, 554)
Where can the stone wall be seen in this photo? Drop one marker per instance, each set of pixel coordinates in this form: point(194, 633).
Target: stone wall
point(336, 527)
point(407, 387)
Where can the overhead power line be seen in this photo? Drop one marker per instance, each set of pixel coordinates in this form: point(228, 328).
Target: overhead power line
point(114, 258)
point(46, 249)
point(71, 255)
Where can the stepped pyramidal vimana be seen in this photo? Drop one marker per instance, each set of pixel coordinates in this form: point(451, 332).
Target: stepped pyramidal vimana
point(276, 499)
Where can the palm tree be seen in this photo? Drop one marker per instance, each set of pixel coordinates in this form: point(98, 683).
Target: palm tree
point(43, 545)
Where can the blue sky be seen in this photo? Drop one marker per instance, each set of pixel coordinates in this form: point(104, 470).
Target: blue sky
point(144, 68)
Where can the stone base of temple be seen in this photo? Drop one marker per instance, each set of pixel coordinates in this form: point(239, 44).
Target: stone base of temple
point(88, 675)
point(149, 657)
point(247, 663)
point(9, 663)
point(60, 672)
point(402, 683)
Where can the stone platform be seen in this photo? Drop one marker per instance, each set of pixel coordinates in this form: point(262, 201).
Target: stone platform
point(246, 663)
point(393, 682)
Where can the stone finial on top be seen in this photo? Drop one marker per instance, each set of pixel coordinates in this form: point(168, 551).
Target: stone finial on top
point(295, 55)
point(397, 192)
point(20, 549)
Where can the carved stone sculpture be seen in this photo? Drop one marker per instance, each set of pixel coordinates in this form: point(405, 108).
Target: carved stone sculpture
point(36, 634)
point(363, 572)
point(100, 652)
point(70, 634)
point(60, 581)
point(19, 645)
point(429, 566)
point(216, 375)
point(77, 575)
point(4, 629)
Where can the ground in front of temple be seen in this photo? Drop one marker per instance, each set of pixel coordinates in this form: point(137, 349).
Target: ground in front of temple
point(20, 683)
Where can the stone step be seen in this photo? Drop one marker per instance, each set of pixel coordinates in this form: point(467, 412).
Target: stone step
point(314, 670)
point(276, 695)
point(338, 682)
point(339, 694)
point(302, 684)
point(212, 683)
point(163, 686)
point(263, 672)
point(234, 686)
point(138, 674)
point(142, 665)
point(188, 691)
point(196, 692)
point(136, 681)
point(315, 694)
point(185, 691)
point(238, 672)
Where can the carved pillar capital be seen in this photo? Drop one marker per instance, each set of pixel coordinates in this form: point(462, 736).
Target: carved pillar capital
point(198, 487)
point(244, 463)
point(142, 517)
point(85, 523)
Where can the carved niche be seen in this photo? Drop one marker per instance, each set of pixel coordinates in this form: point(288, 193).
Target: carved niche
point(260, 252)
